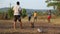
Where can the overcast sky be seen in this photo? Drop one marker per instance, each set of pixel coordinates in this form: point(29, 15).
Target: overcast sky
point(28, 4)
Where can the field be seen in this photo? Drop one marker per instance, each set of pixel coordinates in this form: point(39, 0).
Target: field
point(6, 27)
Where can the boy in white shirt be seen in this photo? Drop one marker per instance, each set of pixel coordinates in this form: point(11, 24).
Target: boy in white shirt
point(17, 14)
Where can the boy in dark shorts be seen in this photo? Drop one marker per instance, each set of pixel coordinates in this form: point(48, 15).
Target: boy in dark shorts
point(29, 16)
point(29, 19)
point(17, 14)
point(49, 15)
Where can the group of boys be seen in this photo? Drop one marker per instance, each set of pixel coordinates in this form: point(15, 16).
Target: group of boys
point(17, 15)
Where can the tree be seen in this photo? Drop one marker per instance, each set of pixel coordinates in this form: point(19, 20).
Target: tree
point(55, 4)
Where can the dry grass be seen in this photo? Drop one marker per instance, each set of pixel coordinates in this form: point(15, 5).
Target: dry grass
point(54, 19)
point(6, 26)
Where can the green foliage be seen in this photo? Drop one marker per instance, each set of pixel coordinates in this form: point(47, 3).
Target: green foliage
point(56, 0)
point(0, 12)
point(24, 14)
point(10, 12)
point(40, 13)
point(57, 4)
point(54, 4)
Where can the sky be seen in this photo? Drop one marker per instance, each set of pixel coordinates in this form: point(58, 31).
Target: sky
point(28, 4)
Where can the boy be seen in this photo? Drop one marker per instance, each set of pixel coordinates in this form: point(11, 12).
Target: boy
point(49, 15)
point(29, 19)
point(17, 14)
point(35, 16)
point(29, 16)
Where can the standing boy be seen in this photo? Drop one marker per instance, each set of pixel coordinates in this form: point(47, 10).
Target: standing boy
point(49, 15)
point(29, 16)
point(17, 14)
point(35, 16)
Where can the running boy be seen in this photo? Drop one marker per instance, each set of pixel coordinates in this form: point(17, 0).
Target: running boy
point(17, 14)
point(29, 19)
point(29, 16)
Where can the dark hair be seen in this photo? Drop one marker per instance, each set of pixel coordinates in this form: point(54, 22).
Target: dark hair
point(18, 3)
point(50, 11)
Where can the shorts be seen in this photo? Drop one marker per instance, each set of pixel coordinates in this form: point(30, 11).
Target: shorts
point(35, 17)
point(29, 18)
point(49, 17)
point(17, 17)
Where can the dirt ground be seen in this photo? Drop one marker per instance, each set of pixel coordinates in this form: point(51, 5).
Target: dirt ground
point(6, 27)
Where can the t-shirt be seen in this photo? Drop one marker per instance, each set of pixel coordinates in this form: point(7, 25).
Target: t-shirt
point(49, 13)
point(35, 14)
point(16, 9)
point(29, 14)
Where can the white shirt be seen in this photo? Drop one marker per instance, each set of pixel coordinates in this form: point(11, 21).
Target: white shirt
point(16, 9)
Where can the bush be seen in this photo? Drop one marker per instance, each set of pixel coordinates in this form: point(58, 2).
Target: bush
point(10, 13)
point(24, 14)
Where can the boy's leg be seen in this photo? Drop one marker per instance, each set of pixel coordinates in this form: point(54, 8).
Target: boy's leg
point(29, 19)
point(32, 25)
point(15, 20)
point(34, 19)
point(14, 25)
point(48, 19)
point(20, 22)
